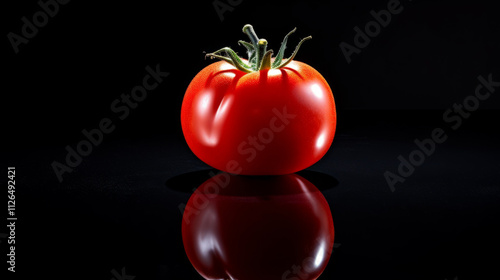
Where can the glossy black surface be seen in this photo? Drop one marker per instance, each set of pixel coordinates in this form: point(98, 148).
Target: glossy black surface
point(120, 208)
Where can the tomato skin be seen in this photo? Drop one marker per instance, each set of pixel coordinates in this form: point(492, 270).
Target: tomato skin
point(269, 122)
point(258, 227)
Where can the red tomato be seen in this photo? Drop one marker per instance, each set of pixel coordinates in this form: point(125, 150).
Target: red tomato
point(267, 122)
point(258, 227)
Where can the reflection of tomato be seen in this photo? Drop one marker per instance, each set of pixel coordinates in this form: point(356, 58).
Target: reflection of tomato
point(238, 227)
point(266, 122)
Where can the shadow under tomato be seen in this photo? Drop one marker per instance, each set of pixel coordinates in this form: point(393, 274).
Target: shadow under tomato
point(258, 227)
point(187, 182)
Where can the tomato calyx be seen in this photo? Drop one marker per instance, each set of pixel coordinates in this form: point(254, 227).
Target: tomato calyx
point(259, 58)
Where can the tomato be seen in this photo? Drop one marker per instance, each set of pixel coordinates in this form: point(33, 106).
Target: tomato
point(258, 227)
point(266, 121)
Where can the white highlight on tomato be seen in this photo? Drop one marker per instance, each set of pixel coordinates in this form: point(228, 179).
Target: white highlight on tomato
point(321, 139)
point(205, 114)
point(320, 255)
point(316, 90)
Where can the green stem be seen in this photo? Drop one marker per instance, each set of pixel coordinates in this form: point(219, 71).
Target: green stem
point(233, 58)
point(281, 51)
point(261, 50)
point(266, 60)
point(294, 52)
point(248, 29)
point(250, 50)
point(259, 58)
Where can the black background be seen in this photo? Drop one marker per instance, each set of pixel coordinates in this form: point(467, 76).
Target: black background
point(115, 209)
